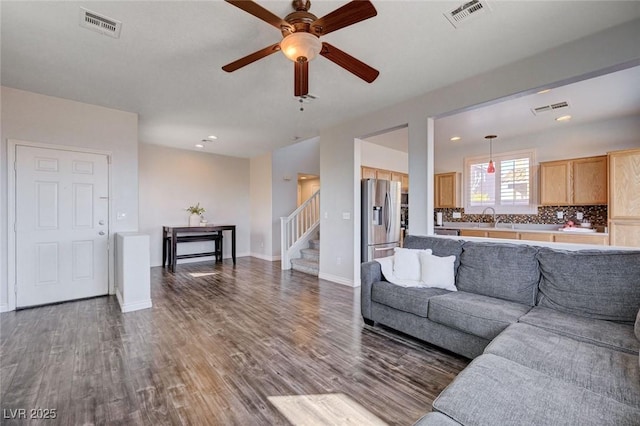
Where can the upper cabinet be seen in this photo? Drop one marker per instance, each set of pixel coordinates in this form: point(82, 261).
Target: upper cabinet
point(368, 173)
point(624, 181)
point(403, 178)
point(373, 173)
point(578, 181)
point(447, 190)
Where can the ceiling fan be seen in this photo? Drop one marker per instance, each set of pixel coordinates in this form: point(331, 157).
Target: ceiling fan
point(300, 43)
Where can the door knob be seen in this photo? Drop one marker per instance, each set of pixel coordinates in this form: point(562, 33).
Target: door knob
point(101, 233)
point(101, 222)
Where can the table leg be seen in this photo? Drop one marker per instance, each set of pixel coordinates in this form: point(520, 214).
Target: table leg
point(233, 245)
point(174, 249)
point(164, 246)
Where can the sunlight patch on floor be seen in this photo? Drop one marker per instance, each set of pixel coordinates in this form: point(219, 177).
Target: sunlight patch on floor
point(202, 274)
point(323, 410)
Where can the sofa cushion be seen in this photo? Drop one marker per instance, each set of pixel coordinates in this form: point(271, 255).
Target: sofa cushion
point(475, 314)
point(607, 334)
point(506, 271)
point(496, 391)
point(606, 372)
point(439, 246)
point(408, 299)
point(438, 271)
point(597, 284)
point(435, 419)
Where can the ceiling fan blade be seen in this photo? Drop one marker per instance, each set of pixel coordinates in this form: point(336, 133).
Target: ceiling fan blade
point(260, 12)
point(301, 80)
point(252, 58)
point(349, 63)
point(349, 14)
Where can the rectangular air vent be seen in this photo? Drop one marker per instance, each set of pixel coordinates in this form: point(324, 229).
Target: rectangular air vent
point(552, 107)
point(467, 11)
point(99, 23)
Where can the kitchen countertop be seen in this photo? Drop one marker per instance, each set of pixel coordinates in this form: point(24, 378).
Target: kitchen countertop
point(515, 227)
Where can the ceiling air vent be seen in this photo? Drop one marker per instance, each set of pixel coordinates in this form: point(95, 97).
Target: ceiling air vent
point(467, 11)
point(552, 107)
point(102, 24)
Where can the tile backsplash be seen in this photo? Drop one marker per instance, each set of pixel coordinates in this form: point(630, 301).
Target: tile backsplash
point(597, 215)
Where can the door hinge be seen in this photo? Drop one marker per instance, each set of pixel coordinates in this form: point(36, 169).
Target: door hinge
point(108, 159)
point(15, 166)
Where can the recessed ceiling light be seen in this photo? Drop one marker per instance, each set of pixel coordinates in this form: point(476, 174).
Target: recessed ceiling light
point(199, 145)
point(303, 177)
point(544, 91)
point(455, 138)
point(564, 118)
point(212, 137)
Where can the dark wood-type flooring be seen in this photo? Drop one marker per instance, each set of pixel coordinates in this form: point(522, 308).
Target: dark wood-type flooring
point(218, 341)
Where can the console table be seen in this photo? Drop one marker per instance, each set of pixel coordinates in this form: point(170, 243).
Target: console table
point(173, 231)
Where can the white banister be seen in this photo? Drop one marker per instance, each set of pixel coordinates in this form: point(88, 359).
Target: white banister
point(297, 228)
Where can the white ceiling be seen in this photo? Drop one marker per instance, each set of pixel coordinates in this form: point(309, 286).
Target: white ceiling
point(166, 64)
point(612, 95)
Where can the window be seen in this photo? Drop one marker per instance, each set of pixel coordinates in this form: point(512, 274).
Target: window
point(509, 190)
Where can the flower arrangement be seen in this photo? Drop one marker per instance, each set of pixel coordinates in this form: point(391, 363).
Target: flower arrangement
point(196, 209)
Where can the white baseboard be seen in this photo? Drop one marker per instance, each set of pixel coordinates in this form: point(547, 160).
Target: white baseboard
point(337, 279)
point(129, 307)
point(5, 308)
point(265, 257)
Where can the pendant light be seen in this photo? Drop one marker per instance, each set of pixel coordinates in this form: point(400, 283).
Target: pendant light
point(492, 167)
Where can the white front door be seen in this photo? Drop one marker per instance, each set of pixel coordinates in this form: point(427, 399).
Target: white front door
point(62, 225)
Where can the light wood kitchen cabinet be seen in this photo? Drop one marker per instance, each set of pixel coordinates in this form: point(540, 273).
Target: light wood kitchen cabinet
point(554, 183)
point(549, 237)
point(536, 236)
point(601, 240)
point(368, 172)
point(447, 190)
point(473, 233)
point(373, 173)
point(383, 174)
point(405, 182)
point(508, 235)
point(577, 181)
point(624, 181)
point(624, 233)
point(624, 198)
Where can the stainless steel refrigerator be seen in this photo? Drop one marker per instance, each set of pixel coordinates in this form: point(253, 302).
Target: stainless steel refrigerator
point(380, 218)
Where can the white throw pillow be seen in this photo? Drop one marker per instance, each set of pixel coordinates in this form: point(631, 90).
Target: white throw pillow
point(386, 266)
point(438, 271)
point(406, 263)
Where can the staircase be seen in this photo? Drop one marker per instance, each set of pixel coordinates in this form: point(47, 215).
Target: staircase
point(309, 262)
point(299, 230)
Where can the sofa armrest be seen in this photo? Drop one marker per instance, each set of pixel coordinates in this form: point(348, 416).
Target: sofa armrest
point(370, 272)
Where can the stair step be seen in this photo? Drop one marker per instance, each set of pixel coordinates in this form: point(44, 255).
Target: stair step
point(311, 254)
point(306, 266)
point(314, 244)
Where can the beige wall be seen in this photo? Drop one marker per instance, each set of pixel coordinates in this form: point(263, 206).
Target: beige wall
point(33, 117)
point(173, 179)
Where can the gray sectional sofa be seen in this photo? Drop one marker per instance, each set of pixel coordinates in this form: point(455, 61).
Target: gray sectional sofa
point(551, 332)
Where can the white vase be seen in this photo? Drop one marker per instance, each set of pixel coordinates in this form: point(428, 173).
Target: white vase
point(194, 220)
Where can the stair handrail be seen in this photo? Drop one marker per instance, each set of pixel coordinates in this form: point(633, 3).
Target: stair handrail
point(296, 228)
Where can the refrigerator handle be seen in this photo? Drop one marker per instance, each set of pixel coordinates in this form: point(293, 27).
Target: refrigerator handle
point(387, 212)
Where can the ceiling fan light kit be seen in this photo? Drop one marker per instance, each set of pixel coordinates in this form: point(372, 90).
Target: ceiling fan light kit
point(301, 32)
point(301, 46)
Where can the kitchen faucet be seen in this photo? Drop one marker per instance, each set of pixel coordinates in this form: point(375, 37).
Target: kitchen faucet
point(485, 212)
